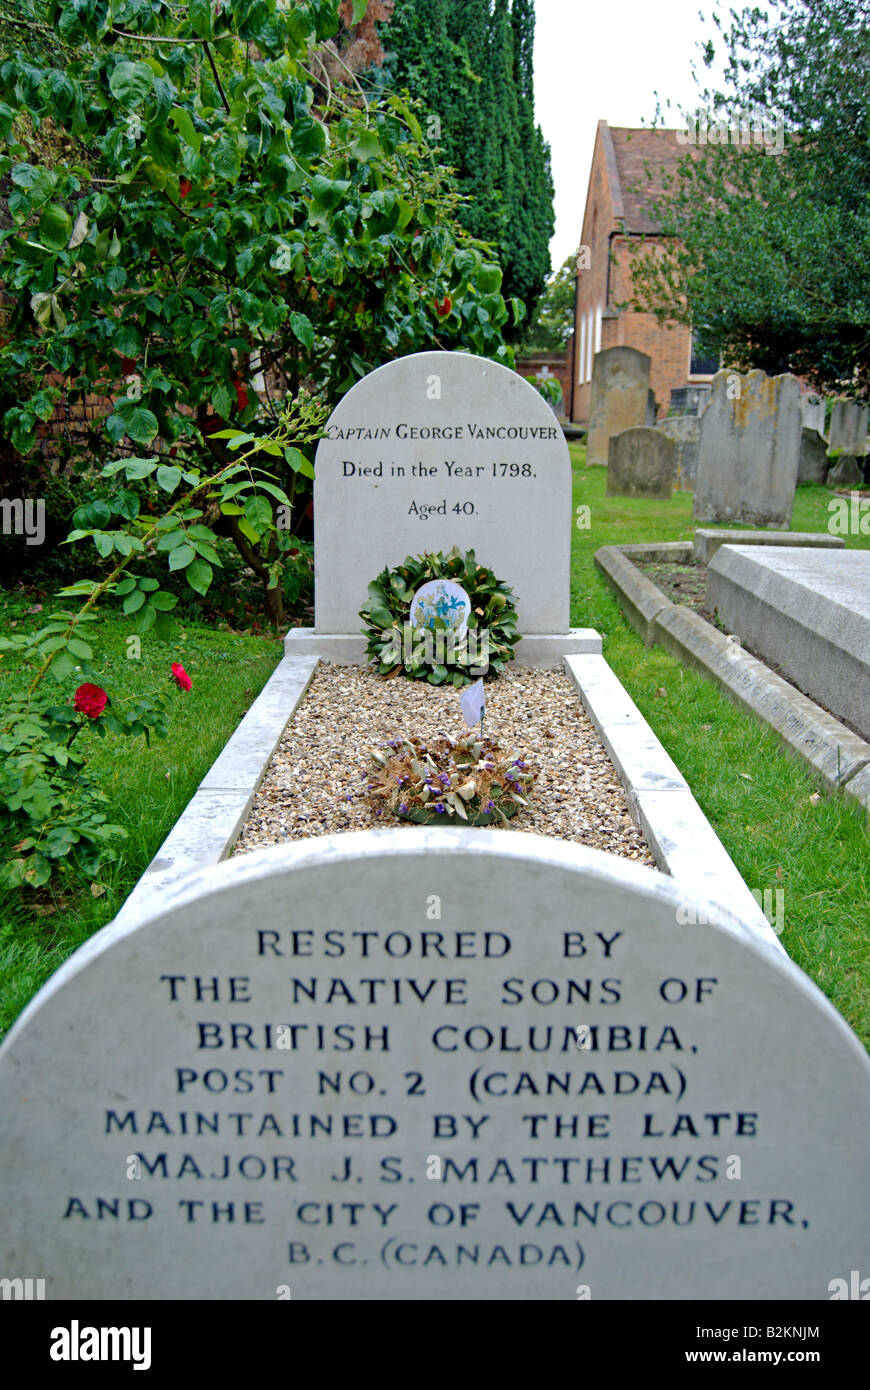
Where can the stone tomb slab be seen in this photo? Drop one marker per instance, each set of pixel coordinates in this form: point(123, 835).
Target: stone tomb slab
point(807, 611)
point(435, 450)
point(449, 1065)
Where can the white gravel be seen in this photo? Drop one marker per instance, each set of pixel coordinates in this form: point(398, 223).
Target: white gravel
point(312, 784)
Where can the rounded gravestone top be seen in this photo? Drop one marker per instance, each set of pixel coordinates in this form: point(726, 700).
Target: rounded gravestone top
point(432, 1064)
point(435, 450)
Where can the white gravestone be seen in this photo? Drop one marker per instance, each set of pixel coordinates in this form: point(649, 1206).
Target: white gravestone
point(436, 450)
point(432, 1065)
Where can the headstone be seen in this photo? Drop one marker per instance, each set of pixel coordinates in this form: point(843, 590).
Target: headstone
point(813, 413)
point(808, 612)
point(685, 431)
point(749, 450)
point(848, 428)
point(436, 450)
point(845, 472)
point(437, 1065)
point(813, 464)
point(640, 464)
point(619, 397)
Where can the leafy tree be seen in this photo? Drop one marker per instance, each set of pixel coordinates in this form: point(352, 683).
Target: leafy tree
point(553, 320)
point(471, 67)
point(768, 255)
point(234, 225)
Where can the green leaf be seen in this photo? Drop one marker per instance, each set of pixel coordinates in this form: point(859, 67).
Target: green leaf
point(328, 193)
point(144, 619)
point(78, 648)
point(298, 462)
point(303, 329)
point(259, 513)
point(130, 83)
point(181, 557)
point(359, 11)
point(140, 424)
point(163, 601)
point(185, 127)
point(209, 553)
point(62, 666)
point(168, 477)
point(200, 15)
point(133, 602)
point(199, 575)
point(55, 228)
point(489, 278)
point(366, 146)
point(227, 160)
point(140, 468)
point(222, 399)
point(437, 675)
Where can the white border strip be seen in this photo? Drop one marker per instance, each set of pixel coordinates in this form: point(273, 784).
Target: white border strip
point(683, 842)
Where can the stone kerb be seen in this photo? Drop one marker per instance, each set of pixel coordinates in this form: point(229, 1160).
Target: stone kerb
point(297, 1029)
point(806, 611)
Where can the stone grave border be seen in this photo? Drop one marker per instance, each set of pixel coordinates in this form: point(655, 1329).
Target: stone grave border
point(838, 755)
point(683, 843)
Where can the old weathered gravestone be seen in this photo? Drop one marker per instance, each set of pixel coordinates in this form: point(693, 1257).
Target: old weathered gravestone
point(813, 413)
point(749, 450)
point(685, 431)
point(619, 397)
point(813, 463)
point(845, 472)
point(433, 1065)
point(848, 428)
point(640, 464)
point(436, 450)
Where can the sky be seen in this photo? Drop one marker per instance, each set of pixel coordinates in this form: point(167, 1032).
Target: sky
point(606, 62)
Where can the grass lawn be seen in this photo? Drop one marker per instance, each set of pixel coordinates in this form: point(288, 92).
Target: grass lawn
point(756, 794)
point(149, 788)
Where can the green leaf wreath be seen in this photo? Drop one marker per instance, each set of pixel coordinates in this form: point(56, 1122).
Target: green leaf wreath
point(397, 647)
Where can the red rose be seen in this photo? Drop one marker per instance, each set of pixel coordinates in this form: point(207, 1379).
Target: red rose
point(180, 676)
point(444, 308)
point(241, 393)
point(128, 366)
point(184, 187)
point(90, 700)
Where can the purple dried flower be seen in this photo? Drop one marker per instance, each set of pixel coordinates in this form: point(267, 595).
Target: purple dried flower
point(441, 808)
point(490, 806)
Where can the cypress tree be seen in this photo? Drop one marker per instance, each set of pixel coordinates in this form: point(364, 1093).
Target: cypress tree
point(472, 66)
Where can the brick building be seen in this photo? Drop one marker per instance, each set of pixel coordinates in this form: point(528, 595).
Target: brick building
point(628, 168)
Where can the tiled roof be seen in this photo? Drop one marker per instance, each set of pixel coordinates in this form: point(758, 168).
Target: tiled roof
point(643, 159)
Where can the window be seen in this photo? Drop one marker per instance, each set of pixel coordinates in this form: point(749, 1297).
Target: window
point(700, 365)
